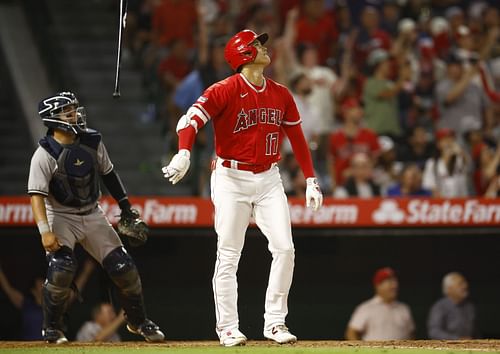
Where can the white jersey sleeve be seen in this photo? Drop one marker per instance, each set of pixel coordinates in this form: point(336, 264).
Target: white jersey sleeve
point(103, 160)
point(42, 168)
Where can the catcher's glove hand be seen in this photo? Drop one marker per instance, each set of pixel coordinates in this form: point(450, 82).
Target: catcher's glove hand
point(132, 226)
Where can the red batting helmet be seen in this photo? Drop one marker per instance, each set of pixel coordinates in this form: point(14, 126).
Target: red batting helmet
point(239, 50)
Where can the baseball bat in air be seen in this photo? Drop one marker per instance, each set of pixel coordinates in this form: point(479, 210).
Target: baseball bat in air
point(121, 28)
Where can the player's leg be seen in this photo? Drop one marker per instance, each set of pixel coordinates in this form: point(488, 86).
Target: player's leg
point(273, 218)
point(232, 215)
point(103, 243)
point(61, 270)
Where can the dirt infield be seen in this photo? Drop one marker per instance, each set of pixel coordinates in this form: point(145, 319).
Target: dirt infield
point(473, 345)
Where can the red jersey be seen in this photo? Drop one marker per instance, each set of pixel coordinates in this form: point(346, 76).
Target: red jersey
point(247, 119)
point(343, 148)
point(321, 32)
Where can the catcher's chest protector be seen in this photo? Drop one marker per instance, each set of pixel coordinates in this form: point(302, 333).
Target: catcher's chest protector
point(76, 181)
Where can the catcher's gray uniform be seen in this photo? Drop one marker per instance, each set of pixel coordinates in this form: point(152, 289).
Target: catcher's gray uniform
point(85, 224)
point(68, 176)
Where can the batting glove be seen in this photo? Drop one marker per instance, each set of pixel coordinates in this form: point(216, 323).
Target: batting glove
point(177, 167)
point(314, 197)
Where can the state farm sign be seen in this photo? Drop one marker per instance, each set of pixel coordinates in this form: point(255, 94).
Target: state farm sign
point(378, 212)
point(437, 212)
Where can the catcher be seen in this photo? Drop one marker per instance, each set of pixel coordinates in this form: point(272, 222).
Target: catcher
point(64, 189)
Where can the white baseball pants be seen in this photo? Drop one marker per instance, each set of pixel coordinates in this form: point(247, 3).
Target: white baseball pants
point(237, 196)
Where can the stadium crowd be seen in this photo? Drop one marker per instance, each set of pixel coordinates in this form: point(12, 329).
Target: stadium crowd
point(397, 97)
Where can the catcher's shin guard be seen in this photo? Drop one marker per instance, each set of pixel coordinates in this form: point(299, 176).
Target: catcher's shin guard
point(123, 272)
point(57, 287)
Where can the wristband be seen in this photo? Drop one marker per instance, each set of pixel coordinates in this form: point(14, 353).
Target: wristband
point(43, 227)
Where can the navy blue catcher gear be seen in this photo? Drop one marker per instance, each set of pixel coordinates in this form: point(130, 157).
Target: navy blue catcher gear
point(57, 287)
point(123, 272)
point(51, 108)
point(76, 182)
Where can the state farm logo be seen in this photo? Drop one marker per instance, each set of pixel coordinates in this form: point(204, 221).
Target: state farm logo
point(154, 212)
point(428, 211)
point(388, 212)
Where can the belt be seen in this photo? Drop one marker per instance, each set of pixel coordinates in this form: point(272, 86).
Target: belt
point(86, 212)
point(246, 166)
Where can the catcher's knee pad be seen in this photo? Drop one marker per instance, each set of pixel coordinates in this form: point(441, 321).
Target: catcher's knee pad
point(61, 270)
point(122, 271)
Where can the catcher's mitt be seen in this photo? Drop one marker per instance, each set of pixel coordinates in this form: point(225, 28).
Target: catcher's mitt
point(132, 226)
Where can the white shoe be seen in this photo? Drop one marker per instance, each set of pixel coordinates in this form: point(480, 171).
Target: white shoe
point(232, 338)
point(280, 334)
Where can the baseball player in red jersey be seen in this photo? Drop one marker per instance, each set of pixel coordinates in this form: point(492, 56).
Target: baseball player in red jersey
point(250, 114)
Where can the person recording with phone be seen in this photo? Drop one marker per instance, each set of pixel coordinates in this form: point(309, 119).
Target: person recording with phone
point(446, 173)
point(463, 104)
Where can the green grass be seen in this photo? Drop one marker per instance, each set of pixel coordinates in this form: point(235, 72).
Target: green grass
point(219, 350)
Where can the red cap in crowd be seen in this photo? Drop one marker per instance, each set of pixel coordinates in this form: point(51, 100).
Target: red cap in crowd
point(443, 133)
point(383, 274)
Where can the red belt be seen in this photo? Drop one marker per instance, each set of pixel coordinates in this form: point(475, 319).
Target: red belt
point(247, 167)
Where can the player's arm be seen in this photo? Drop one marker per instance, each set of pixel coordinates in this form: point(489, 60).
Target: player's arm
point(293, 130)
point(195, 118)
point(111, 328)
point(14, 295)
point(111, 179)
point(41, 170)
point(357, 324)
point(352, 334)
point(49, 239)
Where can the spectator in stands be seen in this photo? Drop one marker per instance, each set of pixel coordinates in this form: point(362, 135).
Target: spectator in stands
point(382, 317)
point(491, 31)
point(487, 83)
point(387, 167)
point(462, 103)
point(455, 17)
point(305, 58)
point(174, 20)
point(175, 66)
point(439, 29)
point(30, 303)
point(322, 78)
point(483, 156)
point(391, 14)
point(454, 316)
point(410, 185)
point(371, 36)
point(380, 94)
point(423, 102)
point(445, 174)
point(351, 138)
point(466, 47)
point(260, 18)
point(360, 184)
point(292, 176)
point(302, 87)
point(316, 26)
point(351, 81)
point(490, 169)
point(417, 148)
point(405, 53)
point(139, 35)
point(103, 326)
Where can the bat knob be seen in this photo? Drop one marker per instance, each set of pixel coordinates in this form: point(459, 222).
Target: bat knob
point(116, 94)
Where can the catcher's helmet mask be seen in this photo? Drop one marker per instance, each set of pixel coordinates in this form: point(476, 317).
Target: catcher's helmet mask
point(239, 49)
point(53, 114)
